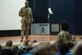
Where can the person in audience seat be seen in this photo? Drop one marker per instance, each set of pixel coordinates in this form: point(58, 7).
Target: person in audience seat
point(64, 36)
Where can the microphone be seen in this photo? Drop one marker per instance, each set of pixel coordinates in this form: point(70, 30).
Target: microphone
point(50, 11)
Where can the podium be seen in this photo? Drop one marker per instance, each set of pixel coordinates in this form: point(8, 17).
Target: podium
point(40, 28)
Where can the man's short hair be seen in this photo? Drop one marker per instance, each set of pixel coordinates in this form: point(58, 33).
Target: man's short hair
point(64, 25)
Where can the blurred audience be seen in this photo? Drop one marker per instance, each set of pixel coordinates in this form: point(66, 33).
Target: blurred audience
point(34, 46)
point(43, 50)
point(9, 44)
point(6, 51)
point(23, 47)
point(64, 50)
point(54, 46)
point(78, 48)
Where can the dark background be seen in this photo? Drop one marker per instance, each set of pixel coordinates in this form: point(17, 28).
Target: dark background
point(69, 10)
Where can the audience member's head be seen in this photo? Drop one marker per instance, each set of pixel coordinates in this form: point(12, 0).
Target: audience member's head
point(25, 42)
point(9, 43)
point(44, 50)
point(64, 25)
point(34, 41)
point(63, 48)
point(35, 45)
point(54, 46)
point(78, 48)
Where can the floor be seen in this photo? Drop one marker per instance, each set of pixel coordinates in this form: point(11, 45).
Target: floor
point(16, 39)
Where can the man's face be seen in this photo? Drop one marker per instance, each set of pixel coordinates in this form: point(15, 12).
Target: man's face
point(26, 4)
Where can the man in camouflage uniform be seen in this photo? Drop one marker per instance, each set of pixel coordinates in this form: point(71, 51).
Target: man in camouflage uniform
point(64, 36)
point(26, 14)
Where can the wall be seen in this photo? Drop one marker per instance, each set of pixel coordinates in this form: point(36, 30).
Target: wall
point(9, 18)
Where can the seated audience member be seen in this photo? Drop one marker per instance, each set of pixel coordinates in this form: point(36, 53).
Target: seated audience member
point(64, 36)
point(23, 47)
point(6, 51)
point(78, 48)
point(15, 49)
point(43, 50)
point(29, 52)
point(34, 46)
point(54, 46)
point(9, 44)
point(64, 50)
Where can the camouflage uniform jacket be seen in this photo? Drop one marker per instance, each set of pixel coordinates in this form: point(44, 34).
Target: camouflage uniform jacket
point(26, 14)
point(64, 37)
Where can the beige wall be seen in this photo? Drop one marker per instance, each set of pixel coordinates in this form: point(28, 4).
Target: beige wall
point(9, 19)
